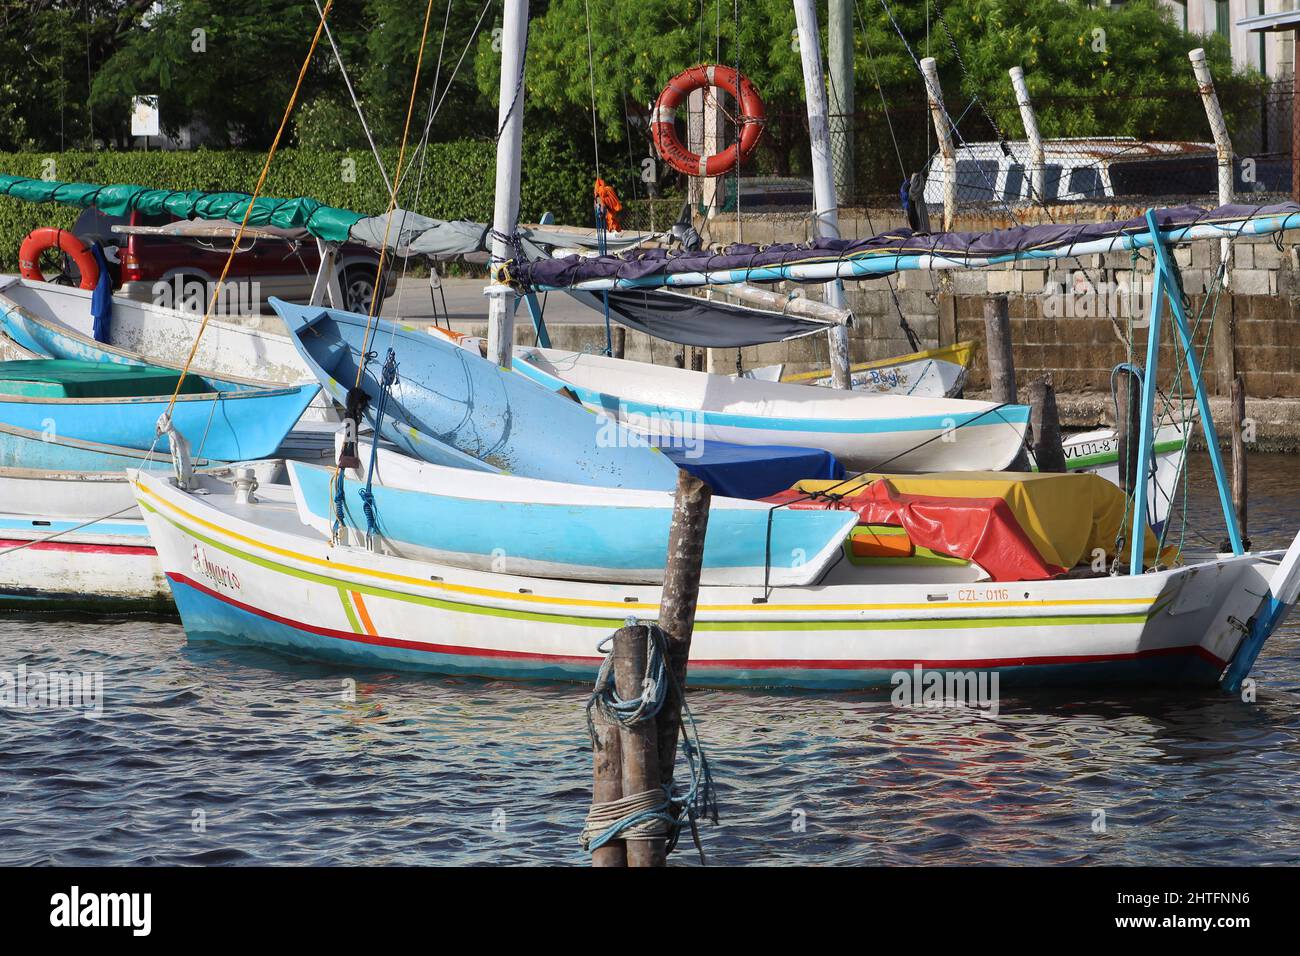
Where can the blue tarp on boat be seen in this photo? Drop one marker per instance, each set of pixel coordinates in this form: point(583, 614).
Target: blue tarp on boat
point(752, 471)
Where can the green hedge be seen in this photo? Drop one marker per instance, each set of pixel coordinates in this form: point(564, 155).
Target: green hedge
point(458, 181)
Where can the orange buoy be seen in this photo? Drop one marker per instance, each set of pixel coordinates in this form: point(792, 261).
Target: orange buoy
point(753, 118)
point(47, 237)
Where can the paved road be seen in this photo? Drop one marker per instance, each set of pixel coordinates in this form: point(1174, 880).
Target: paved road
point(466, 305)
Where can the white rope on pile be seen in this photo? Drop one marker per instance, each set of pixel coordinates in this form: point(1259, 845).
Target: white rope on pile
point(602, 816)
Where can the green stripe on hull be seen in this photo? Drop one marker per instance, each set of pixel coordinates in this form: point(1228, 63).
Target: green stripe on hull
point(347, 609)
point(613, 623)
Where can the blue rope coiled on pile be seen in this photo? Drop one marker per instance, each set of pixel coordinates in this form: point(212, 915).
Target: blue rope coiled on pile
point(654, 813)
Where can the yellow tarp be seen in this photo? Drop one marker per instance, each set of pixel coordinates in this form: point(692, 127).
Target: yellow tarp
point(1066, 517)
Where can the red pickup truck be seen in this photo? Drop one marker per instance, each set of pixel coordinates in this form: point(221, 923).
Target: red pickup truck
point(280, 263)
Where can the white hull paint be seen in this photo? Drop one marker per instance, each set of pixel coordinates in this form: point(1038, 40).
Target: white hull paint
point(106, 567)
point(865, 432)
point(238, 349)
point(252, 574)
point(97, 494)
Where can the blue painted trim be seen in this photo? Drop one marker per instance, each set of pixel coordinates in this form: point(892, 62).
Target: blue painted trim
point(616, 407)
point(1263, 624)
point(1169, 269)
point(51, 526)
point(1146, 433)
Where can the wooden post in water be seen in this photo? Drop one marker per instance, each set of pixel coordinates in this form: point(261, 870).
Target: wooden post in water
point(1046, 423)
point(639, 743)
point(677, 605)
point(620, 341)
point(1239, 455)
point(607, 783)
point(1128, 426)
point(1001, 360)
point(997, 345)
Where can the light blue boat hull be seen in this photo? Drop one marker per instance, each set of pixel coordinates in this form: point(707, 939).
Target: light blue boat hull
point(223, 426)
point(596, 541)
point(450, 406)
point(21, 448)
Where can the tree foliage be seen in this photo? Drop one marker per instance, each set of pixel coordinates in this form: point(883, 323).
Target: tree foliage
point(74, 65)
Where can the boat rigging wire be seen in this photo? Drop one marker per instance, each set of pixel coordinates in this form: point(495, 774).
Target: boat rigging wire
point(392, 200)
point(248, 211)
point(347, 82)
point(943, 108)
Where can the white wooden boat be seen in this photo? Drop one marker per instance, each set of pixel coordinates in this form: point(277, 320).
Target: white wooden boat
point(865, 432)
point(254, 574)
point(109, 566)
point(244, 350)
point(1097, 452)
point(930, 373)
point(70, 495)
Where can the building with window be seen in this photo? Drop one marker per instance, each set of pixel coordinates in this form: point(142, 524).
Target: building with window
point(1269, 53)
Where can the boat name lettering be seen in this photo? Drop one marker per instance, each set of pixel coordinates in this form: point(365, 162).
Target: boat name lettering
point(206, 567)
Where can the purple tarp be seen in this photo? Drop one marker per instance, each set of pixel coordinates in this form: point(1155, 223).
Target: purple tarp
point(571, 270)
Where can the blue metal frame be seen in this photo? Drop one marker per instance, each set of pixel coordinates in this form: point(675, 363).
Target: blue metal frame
point(1167, 285)
point(539, 323)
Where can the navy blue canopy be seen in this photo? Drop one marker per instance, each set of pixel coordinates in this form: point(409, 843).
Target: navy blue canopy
point(751, 471)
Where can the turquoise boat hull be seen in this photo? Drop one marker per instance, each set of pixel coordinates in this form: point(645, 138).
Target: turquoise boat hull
point(21, 448)
point(222, 426)
point(451, 407)
point(619, 536)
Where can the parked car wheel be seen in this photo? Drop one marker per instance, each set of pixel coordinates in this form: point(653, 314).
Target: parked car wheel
point(358, 288)
point(194, 293)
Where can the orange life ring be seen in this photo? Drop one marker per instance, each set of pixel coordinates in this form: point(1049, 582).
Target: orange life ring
point(753, 117)
point(47, 237)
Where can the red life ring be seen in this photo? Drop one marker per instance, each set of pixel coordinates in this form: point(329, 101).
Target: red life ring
point(753, 118)
point(47, 237)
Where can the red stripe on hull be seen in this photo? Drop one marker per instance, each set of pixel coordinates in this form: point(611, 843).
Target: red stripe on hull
point(75, 548)
point(737, 664)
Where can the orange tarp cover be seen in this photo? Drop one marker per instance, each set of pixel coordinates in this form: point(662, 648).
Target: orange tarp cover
point(1017, 527)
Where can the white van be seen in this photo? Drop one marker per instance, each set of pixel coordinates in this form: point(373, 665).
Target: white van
point(1076, 170)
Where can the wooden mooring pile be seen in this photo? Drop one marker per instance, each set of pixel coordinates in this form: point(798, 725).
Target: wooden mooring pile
point(635, 739)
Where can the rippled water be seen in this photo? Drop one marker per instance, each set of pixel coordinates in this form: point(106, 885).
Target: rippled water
point(207, 754)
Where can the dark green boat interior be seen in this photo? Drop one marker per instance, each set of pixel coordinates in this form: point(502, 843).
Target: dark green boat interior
point(72, 378)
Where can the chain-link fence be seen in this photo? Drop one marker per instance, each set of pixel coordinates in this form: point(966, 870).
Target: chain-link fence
point(1167, 156)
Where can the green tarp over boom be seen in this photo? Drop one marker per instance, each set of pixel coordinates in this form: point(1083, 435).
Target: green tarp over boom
point(324, 222)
